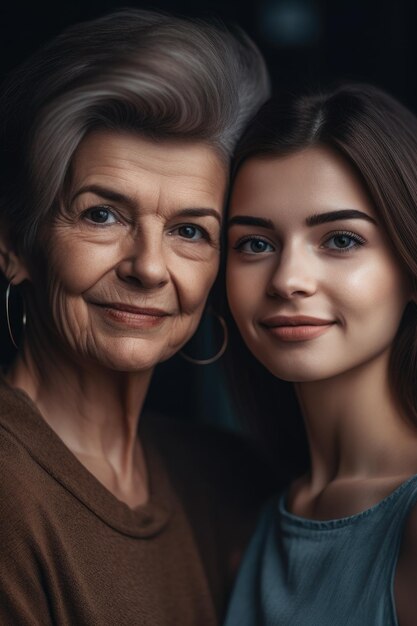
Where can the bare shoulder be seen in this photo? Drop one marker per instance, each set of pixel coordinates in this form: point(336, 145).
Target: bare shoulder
point(405, 587)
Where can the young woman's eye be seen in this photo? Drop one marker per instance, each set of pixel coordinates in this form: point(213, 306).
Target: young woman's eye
point(190, 232)
point(100, 215)
point(254, 245)
point(343, 242)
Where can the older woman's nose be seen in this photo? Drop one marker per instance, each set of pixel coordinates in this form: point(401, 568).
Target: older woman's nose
point(145, 265)
point(294, 275)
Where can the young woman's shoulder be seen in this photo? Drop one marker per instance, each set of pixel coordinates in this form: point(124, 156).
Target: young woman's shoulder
point(406, 572)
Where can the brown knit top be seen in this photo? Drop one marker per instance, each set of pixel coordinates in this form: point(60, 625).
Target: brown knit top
point(72, 554)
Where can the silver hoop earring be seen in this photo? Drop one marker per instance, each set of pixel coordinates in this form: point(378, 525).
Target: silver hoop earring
point(218, 354)
point(9, 326)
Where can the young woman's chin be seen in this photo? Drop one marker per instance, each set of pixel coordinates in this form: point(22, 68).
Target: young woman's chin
point(309, 368)
point(293, 373)
point(301, 363)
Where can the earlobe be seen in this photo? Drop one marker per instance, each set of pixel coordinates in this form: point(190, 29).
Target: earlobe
point(11, 264)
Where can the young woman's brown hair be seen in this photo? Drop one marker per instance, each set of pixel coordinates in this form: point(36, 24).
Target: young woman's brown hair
point(378, 137)
point(321, 280)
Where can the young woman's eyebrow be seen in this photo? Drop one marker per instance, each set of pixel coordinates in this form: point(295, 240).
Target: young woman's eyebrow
point(313, 220)
point(341, 214)
point(246, 220)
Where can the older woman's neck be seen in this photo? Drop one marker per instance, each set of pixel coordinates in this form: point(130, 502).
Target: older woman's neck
point(95, 411)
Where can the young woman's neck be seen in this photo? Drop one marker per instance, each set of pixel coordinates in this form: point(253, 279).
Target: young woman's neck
point(355, 426)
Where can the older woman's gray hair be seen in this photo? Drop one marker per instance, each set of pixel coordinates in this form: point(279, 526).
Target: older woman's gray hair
point(133, 70)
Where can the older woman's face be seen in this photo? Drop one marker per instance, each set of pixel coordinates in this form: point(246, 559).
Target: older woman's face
point(134, 250)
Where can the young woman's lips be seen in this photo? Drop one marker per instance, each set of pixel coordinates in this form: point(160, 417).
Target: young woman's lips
point(296, 328)
point(134, 317)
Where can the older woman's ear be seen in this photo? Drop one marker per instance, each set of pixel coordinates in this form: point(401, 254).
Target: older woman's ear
point(11, 263)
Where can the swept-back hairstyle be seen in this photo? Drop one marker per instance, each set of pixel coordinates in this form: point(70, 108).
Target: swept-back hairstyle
point(378, 137)
point(153, 73)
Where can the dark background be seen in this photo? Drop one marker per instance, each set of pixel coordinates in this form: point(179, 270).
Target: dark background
point(307, 43)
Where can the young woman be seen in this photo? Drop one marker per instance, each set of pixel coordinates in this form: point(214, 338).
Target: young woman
point(321, 279)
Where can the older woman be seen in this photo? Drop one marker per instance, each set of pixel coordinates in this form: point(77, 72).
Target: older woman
point(115, 145)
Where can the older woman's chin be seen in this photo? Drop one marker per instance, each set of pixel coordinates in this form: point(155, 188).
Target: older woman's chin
point(129, 354)
point(126, 345)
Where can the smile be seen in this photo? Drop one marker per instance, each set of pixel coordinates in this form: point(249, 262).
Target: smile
point(296, 328)
point(133, 317)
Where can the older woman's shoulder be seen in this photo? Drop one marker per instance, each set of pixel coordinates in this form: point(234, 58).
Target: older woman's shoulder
point(21, 503)
point(24, 481)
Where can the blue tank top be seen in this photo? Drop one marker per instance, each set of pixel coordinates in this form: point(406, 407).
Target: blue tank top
point(299, 572)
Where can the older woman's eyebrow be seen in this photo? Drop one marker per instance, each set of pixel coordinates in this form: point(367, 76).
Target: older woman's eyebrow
point(341, 214)
point(116, 196)
point(248, 220)
point(203, 212)
point(107, 194)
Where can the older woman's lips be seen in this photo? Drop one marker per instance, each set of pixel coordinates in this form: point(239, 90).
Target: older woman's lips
point(296, 328)
point(134, 317)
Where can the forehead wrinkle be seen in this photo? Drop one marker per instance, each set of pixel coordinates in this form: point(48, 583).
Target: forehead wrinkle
point(106, 193)
point(153, 157)
point(125, 178)
point(144, 181)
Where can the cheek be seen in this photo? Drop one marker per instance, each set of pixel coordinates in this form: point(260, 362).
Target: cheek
point(64, 309)
point(376, 292)
point(246, 287)
point(193, 280)
point(67, 270)
point(78, 266)
point(235, 296)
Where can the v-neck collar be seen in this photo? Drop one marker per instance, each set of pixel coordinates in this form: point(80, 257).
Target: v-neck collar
point(21, 418)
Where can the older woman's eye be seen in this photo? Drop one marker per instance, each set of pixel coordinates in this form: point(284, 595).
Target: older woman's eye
point(254, 245)
point(100, 215)
point(343, 242)
point(191, 232)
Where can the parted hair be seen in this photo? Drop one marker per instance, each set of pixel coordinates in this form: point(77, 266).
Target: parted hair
point(378, 136)
point(142, 71)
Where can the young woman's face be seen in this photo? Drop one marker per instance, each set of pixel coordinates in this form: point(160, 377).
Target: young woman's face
point(134, 250)
point(312, 281)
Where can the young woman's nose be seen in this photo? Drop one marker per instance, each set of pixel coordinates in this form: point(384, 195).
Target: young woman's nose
point(294, 274)
point(144, 262)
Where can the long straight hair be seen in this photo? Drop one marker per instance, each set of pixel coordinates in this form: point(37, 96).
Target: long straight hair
point(378, 137)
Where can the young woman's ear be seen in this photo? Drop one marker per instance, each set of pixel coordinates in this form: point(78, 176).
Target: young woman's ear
point(11, 264)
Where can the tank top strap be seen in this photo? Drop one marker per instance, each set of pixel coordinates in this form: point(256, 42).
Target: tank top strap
point(340, 571)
